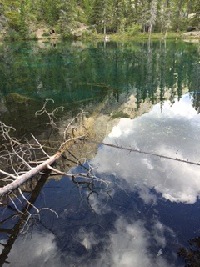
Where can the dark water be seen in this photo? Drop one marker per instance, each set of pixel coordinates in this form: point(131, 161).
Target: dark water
point(144, 207)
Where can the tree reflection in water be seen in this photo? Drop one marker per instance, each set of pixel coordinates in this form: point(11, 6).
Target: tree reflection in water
point(191, 255)
point(22, 217)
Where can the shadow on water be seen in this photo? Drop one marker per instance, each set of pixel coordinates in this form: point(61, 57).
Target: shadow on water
point(148, 207)
point(11, 234)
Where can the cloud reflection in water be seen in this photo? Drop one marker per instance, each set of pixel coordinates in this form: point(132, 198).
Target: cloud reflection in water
point(127, 230)
point(128, 247)
point(174, 132)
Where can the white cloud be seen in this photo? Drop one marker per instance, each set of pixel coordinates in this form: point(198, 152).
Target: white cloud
point(38, 249)
point(175, 133)
point(130, 245)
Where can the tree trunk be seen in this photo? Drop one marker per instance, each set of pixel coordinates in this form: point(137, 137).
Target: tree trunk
point(29, 174)
point(104, 29)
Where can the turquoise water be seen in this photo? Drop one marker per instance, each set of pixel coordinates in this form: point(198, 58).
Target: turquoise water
point(71, 73)
point(144, 206)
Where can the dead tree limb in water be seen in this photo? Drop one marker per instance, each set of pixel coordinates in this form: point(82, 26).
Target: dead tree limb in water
point(22, 160)
point(135, 150)
point(138, 151)
point(20, 179)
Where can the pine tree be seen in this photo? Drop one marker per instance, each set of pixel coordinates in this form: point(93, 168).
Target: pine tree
point(118, 15)
point(102, 15)
point(68, 16)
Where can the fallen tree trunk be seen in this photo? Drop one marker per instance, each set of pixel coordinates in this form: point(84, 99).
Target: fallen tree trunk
point(29, 174)
point(17, 157)
point(20, 179)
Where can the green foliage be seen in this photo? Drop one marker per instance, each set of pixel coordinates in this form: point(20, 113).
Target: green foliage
point(45, 34)
point(81, 16)
point(134, 29)
point(180, 24)
point(49, 11)
point(67, 35)
point(67, 18)
point(102, 15)
point(12, 35)
point(195, 21)
point(106, 16)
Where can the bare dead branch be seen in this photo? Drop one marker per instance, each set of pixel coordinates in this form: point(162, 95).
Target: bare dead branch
point(151, 154)
point(25, 159)
point(50, 115)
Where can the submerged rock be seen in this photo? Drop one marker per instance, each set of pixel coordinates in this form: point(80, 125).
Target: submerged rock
point(17, 98)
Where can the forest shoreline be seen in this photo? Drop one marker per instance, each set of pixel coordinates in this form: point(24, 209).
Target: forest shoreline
point(115, 37)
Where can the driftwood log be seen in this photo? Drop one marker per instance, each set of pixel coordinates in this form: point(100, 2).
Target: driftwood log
point(29, 174)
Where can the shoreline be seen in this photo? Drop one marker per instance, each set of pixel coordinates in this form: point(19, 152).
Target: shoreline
point(115, 37)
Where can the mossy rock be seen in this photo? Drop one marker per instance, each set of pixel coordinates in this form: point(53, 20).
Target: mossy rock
point(120, 114)
point(17, 98)
point(46, 34)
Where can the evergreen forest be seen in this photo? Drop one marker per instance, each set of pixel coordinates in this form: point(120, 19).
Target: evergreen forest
point(21, 18)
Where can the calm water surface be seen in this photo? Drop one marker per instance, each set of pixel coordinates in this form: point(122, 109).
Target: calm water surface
point(145, 208)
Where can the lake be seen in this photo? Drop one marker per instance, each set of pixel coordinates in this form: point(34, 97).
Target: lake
point(140, 103)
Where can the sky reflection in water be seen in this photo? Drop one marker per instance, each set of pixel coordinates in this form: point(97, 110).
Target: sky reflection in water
point(174, 132)
point(154, 207)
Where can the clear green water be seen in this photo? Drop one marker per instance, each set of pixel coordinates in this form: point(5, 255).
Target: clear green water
point(150, 208)
point(75, 75)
